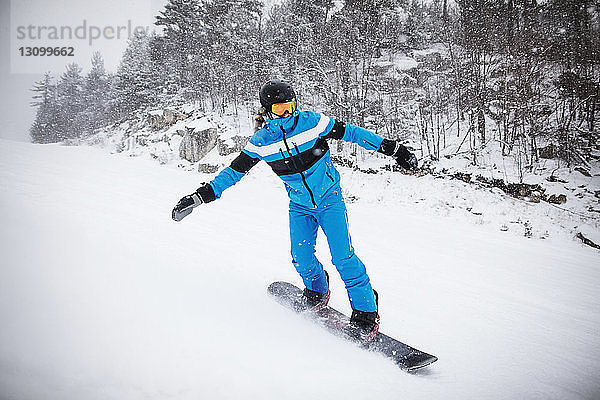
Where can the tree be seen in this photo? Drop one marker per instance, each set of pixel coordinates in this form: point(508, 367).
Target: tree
point(212, 49)
point(70, 102)
point(353, 38)
point(47, 119)
point(232, 64)
point(574, 43)
point(184, 43)
point(95, 95)
point(135, 81)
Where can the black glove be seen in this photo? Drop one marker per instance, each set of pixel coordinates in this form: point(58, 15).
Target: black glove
point(404, 158)
point(184, 207)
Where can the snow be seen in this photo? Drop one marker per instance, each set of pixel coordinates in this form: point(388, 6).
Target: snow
point(136, 137)
point(400, 62)
point(103, 296)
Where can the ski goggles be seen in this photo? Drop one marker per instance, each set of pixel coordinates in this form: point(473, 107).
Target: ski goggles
point(279, 109)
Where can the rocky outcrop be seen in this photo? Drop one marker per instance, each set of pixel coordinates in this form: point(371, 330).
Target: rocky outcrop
point(168, 117)
point(233, 145)
point(557, 199)
point(207, 168)
point(175, 134)
point(196, 144)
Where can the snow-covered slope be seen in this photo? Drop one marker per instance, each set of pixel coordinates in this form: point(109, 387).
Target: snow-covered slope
point(102, 296)
point(160, 134)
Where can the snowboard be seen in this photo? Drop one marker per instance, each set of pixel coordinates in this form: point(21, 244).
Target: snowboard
point(406, 357)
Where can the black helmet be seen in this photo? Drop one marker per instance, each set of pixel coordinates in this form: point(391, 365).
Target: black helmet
point(275, 91)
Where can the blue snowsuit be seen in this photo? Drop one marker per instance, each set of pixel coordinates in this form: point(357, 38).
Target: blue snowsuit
point(296, 149)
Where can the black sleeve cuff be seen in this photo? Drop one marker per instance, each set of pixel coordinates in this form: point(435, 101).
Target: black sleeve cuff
point(388, 147)
point(206, 193)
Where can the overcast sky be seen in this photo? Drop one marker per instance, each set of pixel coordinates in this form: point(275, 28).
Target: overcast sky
point(88, 26)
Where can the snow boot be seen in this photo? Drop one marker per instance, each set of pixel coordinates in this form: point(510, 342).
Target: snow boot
point(316, 301)
point(364, 325)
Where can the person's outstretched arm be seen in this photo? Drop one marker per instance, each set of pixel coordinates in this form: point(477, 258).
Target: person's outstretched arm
point(208, 192)
point(372, 141)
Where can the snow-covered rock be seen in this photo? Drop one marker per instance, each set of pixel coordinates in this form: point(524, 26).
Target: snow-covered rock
point(196, 144)
point(182, 135)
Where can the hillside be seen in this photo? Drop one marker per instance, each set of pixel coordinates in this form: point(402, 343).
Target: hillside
point(102, 296)
point(552, 200)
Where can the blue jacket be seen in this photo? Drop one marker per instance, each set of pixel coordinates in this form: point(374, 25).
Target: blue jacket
point(296, 149)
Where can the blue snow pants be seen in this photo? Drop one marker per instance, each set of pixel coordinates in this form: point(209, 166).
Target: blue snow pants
point(332, 217)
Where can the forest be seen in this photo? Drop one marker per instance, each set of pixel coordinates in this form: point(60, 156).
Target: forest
point(521, 75)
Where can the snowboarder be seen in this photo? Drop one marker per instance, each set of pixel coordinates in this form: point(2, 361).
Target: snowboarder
point(294, 144)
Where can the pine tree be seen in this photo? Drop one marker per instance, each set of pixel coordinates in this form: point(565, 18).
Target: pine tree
point(43, 91)
point(70, 102)
point(95, 95)
point(47, 119)
point(184, 43)
point(211, 49)
point(135, 86)
point(232, 64)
